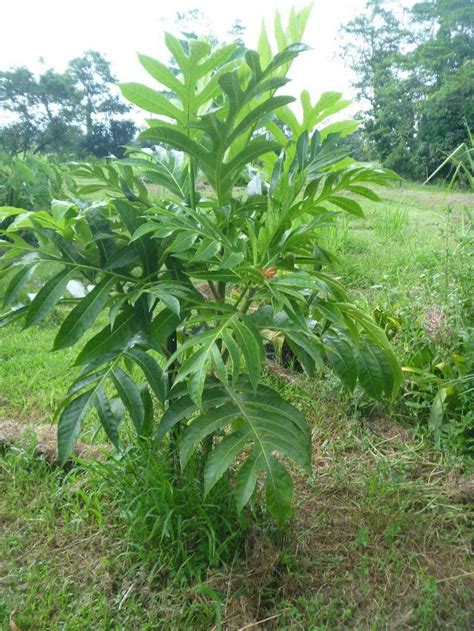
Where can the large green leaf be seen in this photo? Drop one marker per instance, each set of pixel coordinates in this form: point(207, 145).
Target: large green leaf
point(228, 144)
point(69, 424)
point(130, 394)
point(47, 297)
point(193, 88)
point(257, 420)
point(83, 316)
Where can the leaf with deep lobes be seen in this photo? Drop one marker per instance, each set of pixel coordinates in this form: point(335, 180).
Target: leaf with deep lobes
point(260, 419)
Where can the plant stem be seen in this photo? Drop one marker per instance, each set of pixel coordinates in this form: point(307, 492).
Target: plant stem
point(248, 301)
point(172, 346)
point(192, 184)
point(240, 298)
point(221, 291)
point(214, 291)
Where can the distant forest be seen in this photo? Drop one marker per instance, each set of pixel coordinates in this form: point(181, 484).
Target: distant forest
point(415, 71)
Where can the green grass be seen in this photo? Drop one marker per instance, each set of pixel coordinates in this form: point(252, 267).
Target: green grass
point(33, 379)
point(400, 238)
point(380, 538)
point(378, 535)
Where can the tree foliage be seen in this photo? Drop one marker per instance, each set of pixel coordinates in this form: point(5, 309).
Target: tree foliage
point(417, 79)
point(71, 112)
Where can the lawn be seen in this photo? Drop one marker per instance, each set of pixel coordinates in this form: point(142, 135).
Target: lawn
point(382, 530)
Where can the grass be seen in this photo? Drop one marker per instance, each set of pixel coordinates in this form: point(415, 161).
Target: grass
point(381, 534)
point(399, 240)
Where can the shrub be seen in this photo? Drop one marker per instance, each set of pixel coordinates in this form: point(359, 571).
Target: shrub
point(195, 284)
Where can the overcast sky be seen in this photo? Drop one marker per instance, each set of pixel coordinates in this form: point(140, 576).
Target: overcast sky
point(58, 30)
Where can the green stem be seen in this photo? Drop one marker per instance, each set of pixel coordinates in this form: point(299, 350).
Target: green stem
point(221, 290)
point(192, 184)
point(171, 347)
point(240, 298)
point(248, 301)
point(214, 291)
point(54, 259)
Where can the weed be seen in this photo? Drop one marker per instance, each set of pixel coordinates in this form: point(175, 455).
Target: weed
point(392, 223)
point(168, 528)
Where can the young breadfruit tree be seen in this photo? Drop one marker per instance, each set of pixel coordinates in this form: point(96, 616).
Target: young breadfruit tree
point(186, 292)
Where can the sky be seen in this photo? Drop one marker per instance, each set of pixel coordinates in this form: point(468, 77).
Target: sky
point(56, 31)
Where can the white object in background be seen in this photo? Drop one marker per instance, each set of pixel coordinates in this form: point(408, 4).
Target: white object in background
point(254, 187)
point(76, 289)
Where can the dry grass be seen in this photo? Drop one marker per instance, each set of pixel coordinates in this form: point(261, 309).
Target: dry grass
point(381, 533)
point(45, 441)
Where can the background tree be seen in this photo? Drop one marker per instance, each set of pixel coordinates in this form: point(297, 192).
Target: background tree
point(101, 111)
point(417, 84)
point(72, 112)
point(442, 65)
point(42, 111)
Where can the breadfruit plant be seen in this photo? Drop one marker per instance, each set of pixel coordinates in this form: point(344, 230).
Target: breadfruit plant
point(188, 285)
